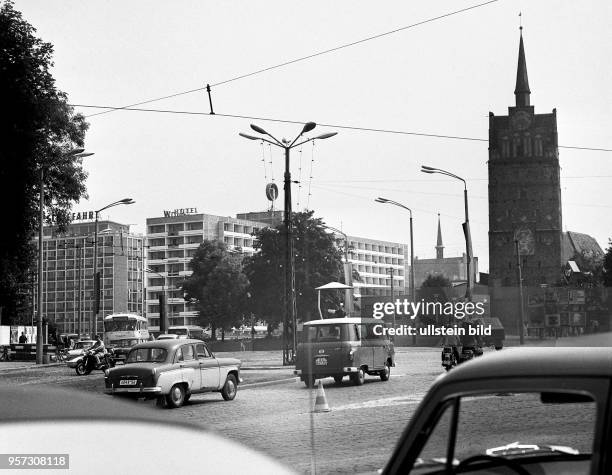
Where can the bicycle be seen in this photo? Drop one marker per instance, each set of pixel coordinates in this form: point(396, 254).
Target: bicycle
point(61, 355)
point(4, 353)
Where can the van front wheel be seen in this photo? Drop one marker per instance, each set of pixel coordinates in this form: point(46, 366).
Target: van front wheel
point(384, 374)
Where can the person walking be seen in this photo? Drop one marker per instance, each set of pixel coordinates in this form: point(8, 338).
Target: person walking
point(23, 338)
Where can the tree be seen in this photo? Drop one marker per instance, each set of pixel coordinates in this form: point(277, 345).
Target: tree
point(607, 266)
point(218, 287)
point(318, 261)
point(437, 280)
point(37, 127)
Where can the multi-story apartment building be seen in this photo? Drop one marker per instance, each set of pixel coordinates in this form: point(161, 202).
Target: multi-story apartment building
point(172, 242)
point(68, 280)
point(379, 263)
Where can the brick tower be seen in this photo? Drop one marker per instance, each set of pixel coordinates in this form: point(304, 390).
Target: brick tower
point(524, 193)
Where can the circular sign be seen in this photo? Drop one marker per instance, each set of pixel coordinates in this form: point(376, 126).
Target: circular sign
point(271, 191)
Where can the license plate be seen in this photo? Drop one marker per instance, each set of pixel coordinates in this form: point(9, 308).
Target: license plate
point(127, 382)
point(321, 361)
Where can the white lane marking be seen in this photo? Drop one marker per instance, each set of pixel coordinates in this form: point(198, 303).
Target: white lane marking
point(383, 402)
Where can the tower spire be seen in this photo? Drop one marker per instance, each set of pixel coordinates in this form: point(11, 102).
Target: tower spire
point(521, 91)
point(439, 246)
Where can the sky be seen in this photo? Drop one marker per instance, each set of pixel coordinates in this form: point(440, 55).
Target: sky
point(439, 77)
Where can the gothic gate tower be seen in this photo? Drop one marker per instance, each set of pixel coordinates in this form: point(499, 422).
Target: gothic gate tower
point(524, 196)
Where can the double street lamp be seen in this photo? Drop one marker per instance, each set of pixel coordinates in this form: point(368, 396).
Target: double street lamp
point(466, 226)
point(76, 152)
point(395, 203)
point(97, 280)
point(290, 318)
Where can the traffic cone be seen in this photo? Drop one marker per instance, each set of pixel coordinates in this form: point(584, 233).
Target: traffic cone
point(321, 401)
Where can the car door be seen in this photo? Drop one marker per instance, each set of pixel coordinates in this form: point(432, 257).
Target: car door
point(190, 369)
point(208, 366)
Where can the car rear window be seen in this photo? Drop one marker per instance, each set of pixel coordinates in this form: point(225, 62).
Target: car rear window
point(144, 355)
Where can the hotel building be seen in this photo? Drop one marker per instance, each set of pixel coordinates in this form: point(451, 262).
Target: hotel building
point(172, 241)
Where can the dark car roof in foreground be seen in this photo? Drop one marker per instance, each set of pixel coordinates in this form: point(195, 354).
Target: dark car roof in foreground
point(168, 344)
point(535, 362)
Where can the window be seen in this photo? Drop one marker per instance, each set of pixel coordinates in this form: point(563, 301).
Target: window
point(202, 351)
point(188, 354)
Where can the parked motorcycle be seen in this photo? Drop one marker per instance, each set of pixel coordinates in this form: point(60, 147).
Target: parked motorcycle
point(88, 363)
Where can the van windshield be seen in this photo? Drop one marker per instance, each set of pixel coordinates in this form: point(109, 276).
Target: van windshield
point(333, 332)
point(177, 331)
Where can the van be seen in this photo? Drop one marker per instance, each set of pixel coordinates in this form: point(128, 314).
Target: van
point(340, 347)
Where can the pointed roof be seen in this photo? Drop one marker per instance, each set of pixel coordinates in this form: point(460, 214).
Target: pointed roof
point(439, 246)
point(521, 91)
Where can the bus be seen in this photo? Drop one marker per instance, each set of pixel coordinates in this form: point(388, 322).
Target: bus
point(121, 329)
point(189, 331)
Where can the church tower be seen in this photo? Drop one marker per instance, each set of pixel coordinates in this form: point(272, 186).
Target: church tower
point(524, 191)
point(439, 246)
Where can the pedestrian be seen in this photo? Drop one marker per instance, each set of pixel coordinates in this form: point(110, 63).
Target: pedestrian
point(23, 338)
point(340, 313)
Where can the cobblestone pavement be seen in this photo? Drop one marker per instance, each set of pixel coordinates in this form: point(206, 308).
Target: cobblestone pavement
point(358, 434)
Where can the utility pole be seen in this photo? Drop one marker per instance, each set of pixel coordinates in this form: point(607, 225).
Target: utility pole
point(521, 322)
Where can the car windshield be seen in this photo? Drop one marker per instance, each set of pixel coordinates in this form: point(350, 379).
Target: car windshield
point(178, 331)
point(147, 355)
point(525, 424)
point(120, 325)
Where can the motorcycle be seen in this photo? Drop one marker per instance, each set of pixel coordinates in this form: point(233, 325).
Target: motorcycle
point(450, 358)
point(88, 363)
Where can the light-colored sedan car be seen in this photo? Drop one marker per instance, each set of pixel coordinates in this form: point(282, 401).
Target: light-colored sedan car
point(171, 371)
point(75, 354)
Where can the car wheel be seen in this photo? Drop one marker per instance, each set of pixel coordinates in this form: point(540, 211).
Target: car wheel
point(80, 368)
point(176, 398)
point(384, 375)
point(358, 378)
point(230, 388)
point(338, 378)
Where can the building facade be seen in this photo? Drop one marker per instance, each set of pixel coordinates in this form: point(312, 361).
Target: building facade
point(379, 263)
point(68, 280)
point(172, 241)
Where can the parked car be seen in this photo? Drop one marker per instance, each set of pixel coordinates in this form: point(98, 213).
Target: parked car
point(344, 346)
point(75, 355)
point(121, 348)
point(525, 410)
point(168, 336)
point(171, 371)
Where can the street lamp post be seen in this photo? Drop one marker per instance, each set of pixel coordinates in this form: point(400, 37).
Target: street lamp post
point(76, 152)
point(466, 226)
point(97, 280)
point(348, 272)
point(411, 278)
point(290, 318)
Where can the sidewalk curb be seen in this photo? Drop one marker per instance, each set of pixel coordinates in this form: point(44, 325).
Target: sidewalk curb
point(269, 383)
point(32, 366)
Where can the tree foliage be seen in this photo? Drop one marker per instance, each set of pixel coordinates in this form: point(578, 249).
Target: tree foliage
point(436, 280)
point(37, 129)
point(318, 261)
point(607, 266)
point(218, 287)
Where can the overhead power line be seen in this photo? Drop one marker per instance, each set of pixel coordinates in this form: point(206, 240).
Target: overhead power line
point(297, 60)
point(336, 126)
